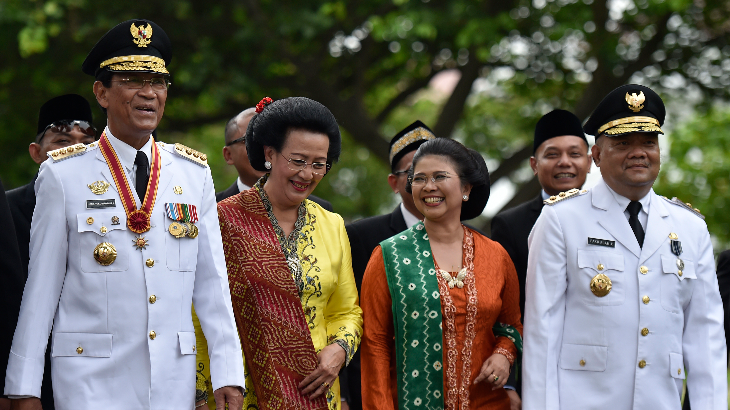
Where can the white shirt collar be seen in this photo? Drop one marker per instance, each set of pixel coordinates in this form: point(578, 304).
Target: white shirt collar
point(241, 186)
point(127, 153)
point(408, 217)
point(623, 202)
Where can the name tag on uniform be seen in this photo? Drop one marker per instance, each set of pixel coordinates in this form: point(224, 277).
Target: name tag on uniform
point(100, 203)
point(602, 242)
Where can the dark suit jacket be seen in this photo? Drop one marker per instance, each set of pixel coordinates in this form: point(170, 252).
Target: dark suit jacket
point(233, 190)
point(364, 236)
point(510, 229)
point(13, 282)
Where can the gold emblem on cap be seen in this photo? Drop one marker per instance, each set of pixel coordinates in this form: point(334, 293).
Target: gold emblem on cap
point(636, 102)
point(105, 253)
point(178, 190)
point(601, 285)
point(142, 35)
point(99, 187)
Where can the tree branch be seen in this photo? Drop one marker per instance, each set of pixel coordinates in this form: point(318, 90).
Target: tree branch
point(454, 107)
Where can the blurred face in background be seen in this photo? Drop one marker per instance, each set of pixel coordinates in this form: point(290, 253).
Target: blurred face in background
point(561, 164)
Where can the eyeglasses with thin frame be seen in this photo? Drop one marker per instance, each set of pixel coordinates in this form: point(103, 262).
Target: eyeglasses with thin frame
point(66, 126)
point(136, 83)
point(399, 173)
point(437, 178)
point(318, 168)
point(236, 141)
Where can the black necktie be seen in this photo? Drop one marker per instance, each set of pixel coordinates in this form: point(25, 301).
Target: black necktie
point(634, 208)
point(143, 166)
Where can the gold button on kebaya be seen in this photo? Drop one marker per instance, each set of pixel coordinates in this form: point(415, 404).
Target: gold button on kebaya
point(79, 350)
point(646, 300)
point(644, 332)
point(644, 270)
point(150, 263)
point(642, 364)
point(600, 267)
point(90, 220)
point(153, 299)
point(153, 335)
point(582, 362)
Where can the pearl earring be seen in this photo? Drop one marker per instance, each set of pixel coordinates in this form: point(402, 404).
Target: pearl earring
point(466, 198)
point(267, 165)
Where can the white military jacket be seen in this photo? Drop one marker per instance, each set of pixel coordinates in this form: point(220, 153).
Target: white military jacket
point(123, 335)
point(629, 349)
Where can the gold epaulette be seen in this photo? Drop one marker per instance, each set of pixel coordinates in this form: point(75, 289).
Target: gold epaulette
point(68, 152)
point(191, 155)
point(685, 205)
point(563, 195)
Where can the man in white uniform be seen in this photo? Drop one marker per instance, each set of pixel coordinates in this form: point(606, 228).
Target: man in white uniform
point(124, 239)
point(622, 299)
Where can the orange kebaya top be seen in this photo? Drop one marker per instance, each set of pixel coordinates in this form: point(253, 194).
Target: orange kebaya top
point(497, 301)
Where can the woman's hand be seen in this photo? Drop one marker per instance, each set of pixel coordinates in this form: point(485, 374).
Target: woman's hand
point(494, 371)
point(331, 359)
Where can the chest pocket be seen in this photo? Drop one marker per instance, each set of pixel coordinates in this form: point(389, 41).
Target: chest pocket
point(181, 253)
point(594, 263)
point(97, 228)
point(676, 288)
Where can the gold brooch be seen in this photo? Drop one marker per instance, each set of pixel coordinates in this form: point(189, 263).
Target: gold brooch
point(636, 102)
point(99, 187)
point(142, 35)
point(601, 285)
point(105, 253)
point(140, 242)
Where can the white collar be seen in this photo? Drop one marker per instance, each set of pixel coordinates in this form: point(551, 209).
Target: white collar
point(127, 153)
point(544, 194)
point(408, 217)
point(241, 186)
point(623, 202)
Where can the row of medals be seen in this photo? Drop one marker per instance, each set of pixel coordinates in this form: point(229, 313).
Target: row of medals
point(601, 284)
point(105, 253)
point(183, 229)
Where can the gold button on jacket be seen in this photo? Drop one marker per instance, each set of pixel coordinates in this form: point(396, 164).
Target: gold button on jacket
point(79, 350)
point(642, 364)
point(644, 332)
point(153, 299)
point(644, 270)
point(153, 335)
point(646, 300)
point(150, 263)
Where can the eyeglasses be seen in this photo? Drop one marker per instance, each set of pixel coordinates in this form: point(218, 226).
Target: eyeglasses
point(136, 83)
point(318, 168)
point(236, 141)
point(420, 179)
point(399, 173)
point(66, 126)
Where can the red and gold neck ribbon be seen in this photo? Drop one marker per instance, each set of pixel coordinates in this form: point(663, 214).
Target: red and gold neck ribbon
point(138, 220)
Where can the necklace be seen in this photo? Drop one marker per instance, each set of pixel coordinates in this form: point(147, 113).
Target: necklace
point(464, 278)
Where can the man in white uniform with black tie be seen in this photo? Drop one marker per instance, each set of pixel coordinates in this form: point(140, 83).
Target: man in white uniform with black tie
point(621, 297)
point(124, 239)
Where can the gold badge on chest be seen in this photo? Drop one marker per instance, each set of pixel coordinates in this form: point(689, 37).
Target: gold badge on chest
point(99, 187)
point(105, 253)
point(601, 285)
